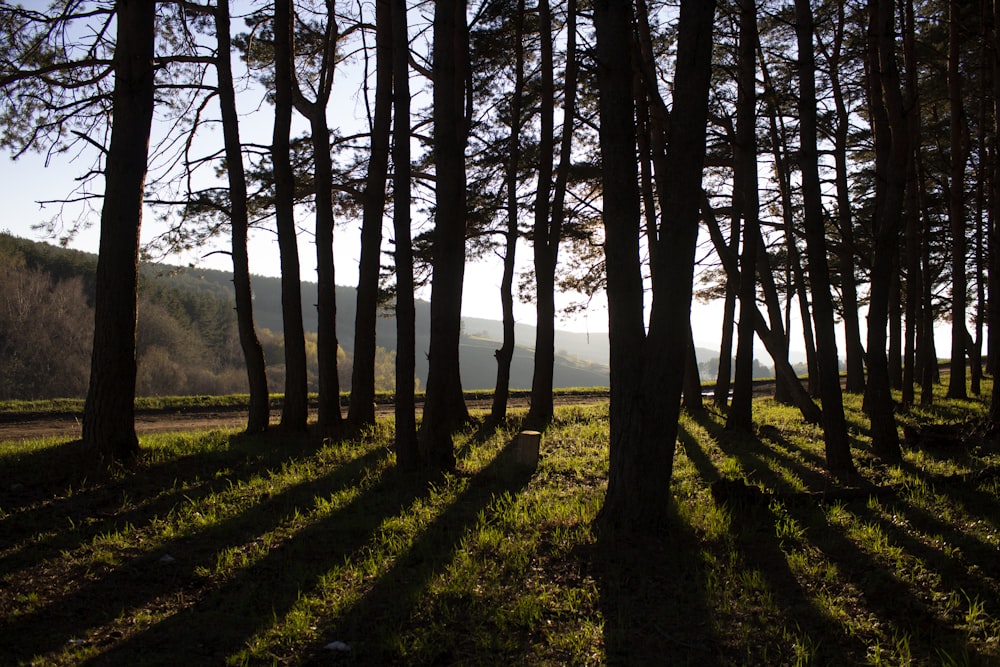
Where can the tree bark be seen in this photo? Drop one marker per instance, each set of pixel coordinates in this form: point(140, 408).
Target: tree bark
point(956, 212)
point(540, 412)
point(646, 387)
point(109, 412)
point(837, 443)
point(892, 150)
point(407, 453)
point(444, 405)
point(295, 410)
point(855, 351)
point(746, 201)
point(259, 413)
point(361, 411)
point(505, 354)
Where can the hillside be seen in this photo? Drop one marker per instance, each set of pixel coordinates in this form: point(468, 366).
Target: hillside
point(200, 303)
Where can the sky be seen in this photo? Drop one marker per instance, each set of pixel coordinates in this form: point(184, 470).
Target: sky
point(29, 180)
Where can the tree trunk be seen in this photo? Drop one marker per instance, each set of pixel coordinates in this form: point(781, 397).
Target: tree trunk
point(914, 277)
point(838, 445)
point(646, 387)
point(722, 382)
point(540, 412)
point(505, 354)
point(444, 405)
point(109, 413)
point(329, 415)
point(895, 352)
point(259, 414)
point(692, 378)
point(407, 454)
point(745, 200)
point(295, 411)
point(892, 150)
point(855, 351)
point(775, 344)
point(362, 406)
point(956, 203)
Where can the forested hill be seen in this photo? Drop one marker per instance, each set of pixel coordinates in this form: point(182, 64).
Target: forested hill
point(187, 331)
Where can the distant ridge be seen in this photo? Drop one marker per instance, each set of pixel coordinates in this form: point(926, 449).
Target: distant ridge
point(581, 359)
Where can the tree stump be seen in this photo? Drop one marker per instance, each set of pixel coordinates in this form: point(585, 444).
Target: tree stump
point(525, 449)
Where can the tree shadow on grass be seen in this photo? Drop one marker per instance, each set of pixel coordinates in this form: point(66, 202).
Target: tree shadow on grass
point(143, 580)
point(373, 625)
point(901, 615)
point(759, 549)
point(69, 498)
point(759, 454)
point(653, 598)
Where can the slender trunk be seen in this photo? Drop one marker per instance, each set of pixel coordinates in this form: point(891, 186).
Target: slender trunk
point(259, 413)
point(329, 415)
point(109, 413)
point(362, 406)
point(926, 350)
point(295, 411)
point(892, 143)
point(956, 214)
point(505, 354)
point(722, 382)
point(838, 445)
point(745, 200)
point(407, 454)
point(541, 381)
point(914, 277)
point(773, 343)
point(855, 351)
point(444, 405)
point(895, 352)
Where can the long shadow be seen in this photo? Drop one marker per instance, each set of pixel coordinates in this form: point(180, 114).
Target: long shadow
point(759, 458)
point(899, 611)
point(954, 572)
point(759, 548)
point(978, 503)
point(144, 579)
point(371, 626)
point(702, 462)
point(227, 615)
point(652, 598)
point(72, 519)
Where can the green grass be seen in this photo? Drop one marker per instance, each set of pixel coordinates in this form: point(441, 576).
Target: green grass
point(218, 548)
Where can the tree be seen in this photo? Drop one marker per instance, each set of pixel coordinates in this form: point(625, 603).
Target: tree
point(407, 454)
point(362, 409)
point(444, 405)
point(838, 448)
point(956, 206)
point(745, 200)
point(549, 216)
point(259, 413)
point(647, 369)
point(109, 412)
point(892, 151)
point(329, 416)
point(505, 354)
point(295, 410)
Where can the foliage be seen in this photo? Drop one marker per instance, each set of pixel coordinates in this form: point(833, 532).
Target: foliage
point(218, 548)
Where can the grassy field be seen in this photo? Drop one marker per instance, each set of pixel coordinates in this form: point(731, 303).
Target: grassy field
point(223, 549)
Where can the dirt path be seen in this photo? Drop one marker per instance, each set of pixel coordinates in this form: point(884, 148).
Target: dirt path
point(158, 421)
